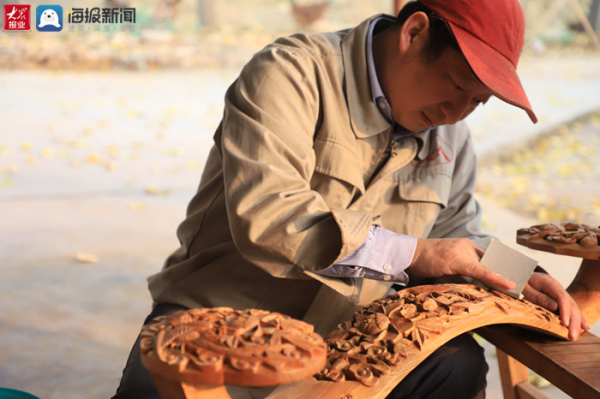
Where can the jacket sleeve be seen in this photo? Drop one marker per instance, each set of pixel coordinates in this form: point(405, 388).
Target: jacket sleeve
point(266, 143)
point(462, 216)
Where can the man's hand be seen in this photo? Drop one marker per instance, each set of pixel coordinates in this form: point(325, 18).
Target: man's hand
point(453, 256)
point(542, 289)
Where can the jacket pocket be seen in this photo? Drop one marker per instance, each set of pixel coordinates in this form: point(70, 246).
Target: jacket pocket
point(418, 204)
point(433, 188)
point(337, 175)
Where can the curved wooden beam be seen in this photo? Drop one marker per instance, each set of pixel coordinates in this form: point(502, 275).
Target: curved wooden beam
point(369, 355)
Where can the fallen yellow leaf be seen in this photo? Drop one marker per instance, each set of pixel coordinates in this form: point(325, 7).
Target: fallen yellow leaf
point(132, 114)
point(6, 183)
point(9, 170)
point(154, 190)
point(48, 153)
point(26, 147)
point(520, 184)
point(94, 158)
point(137, 206)
point(113, 150)
point(193, 165)
point(85, 257)
point(565, 170)
point(173, 152)
point(544, 215)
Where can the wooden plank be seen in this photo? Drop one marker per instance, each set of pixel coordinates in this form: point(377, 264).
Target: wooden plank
point(512, 373)
point(542, 21)
point(527, 391)
point(573, 367)
point(586, 23)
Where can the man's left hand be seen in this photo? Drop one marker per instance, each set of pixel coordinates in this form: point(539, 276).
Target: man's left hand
point(544, 290)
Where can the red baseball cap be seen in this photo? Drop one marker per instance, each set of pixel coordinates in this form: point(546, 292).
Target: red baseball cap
point(490, 34)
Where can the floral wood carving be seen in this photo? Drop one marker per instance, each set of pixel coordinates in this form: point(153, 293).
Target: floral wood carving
point(390, 331)
point(567, 238)
point(224, 346)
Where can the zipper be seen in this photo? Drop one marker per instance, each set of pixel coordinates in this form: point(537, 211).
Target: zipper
point(391, 150)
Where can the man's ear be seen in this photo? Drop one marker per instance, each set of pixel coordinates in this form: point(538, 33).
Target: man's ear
point(414, 30)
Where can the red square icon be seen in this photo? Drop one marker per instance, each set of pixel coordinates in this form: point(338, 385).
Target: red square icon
point(17, 17)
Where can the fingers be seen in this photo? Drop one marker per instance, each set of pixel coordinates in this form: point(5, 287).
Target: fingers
point(543, 290)
point(539, 298)
point(574, 325)
point(584, 324)
point(571, 316)
point(480, 272)
point(447, 257)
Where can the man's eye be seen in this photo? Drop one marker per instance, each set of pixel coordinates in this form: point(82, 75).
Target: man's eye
point(454, 83)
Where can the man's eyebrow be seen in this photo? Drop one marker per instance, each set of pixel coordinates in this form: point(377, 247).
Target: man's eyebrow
point(471, 78)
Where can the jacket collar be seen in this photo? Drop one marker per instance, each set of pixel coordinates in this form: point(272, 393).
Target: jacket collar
point(365, 116)
point(423, 139)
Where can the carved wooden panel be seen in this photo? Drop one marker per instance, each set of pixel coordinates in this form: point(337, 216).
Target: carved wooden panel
point(224, 346)
point(389, 331)
point(566, 239)
point(370, 354)
point(366, 356)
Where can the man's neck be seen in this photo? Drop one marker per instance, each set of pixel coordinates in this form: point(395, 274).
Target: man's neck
point(385, 50)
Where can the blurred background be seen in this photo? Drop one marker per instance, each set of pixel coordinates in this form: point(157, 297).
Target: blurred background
point(104, 130)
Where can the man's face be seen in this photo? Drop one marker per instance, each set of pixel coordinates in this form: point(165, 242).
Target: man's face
point(429, 93)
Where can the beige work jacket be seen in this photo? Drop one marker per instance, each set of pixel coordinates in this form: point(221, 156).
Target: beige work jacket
point(289, 185)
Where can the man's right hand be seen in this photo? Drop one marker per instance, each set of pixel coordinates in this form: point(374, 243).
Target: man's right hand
point(453, 256)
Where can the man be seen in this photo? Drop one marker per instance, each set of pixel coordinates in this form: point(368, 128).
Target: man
point(341, 167)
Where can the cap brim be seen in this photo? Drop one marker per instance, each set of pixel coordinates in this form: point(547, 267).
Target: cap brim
point(494, 70)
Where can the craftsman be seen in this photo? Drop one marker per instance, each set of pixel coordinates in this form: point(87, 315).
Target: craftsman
point(343, 166)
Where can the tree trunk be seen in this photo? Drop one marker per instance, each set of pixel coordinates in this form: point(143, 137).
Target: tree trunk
point(207, 12)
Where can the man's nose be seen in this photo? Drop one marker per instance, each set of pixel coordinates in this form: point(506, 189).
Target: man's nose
point(457, 110)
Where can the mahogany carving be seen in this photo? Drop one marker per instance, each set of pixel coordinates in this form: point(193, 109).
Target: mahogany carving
point(385, 335)
point(224, 346)
point(191, 354)
point(566, 239)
